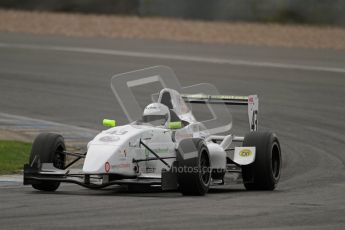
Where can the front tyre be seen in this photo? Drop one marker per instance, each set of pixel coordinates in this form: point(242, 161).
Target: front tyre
point(48, 148)
point(264, 172)
point(194, 174)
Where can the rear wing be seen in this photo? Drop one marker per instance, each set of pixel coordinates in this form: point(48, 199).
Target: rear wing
point(252, 101)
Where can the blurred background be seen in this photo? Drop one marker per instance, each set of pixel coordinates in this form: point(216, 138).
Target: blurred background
point(283, 11)
point(56, 61)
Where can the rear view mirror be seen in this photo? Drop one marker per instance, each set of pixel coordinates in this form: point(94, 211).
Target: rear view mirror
point(175, 125)
point(109, 123)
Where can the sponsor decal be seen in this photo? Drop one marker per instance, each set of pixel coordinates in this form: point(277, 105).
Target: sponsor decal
point(151, 107)
point(109, 138)
point(121, 166)
point(150, 169)
point(133, 144)
point(166, 150)
point(158, 151)
point(245, 153)
point(250, 100)
point(107, 167)
point(118, 132)
point(183, 135)
point(122, 154)
point(228, 97)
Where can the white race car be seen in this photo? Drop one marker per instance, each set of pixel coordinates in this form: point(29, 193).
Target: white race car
point(166, 148)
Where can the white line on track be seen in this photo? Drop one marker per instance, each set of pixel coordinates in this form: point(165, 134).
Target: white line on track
point(16, 120)
point(10, 180)
point(213, 60)
point(31, 127)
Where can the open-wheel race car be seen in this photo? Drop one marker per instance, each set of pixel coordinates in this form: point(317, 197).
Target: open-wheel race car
point(164, 146)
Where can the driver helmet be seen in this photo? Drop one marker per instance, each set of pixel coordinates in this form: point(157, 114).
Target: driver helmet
point(156, 114)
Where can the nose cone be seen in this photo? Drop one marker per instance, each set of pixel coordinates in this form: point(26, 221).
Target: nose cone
point(96, 158)
point(110, 151)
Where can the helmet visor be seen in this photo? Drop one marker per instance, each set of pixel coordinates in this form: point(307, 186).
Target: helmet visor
point(155, 120)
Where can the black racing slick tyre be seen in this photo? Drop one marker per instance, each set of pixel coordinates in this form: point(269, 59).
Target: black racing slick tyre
point(194, 174)
point(48, 148)
point(264, 172)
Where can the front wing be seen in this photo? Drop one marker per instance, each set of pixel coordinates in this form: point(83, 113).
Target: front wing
point(34, 175)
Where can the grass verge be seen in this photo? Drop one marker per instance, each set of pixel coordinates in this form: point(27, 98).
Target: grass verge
point(13, 155)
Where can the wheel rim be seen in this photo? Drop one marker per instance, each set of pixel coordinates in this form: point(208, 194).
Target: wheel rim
point(59, 161)
point(276, 161)
point(205, 168)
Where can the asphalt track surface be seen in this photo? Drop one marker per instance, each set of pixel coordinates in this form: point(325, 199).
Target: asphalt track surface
point(302, 99)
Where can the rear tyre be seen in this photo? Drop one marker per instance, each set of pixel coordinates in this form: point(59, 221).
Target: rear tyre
point(48, 148)
point(194, 174)
point(264, 172)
